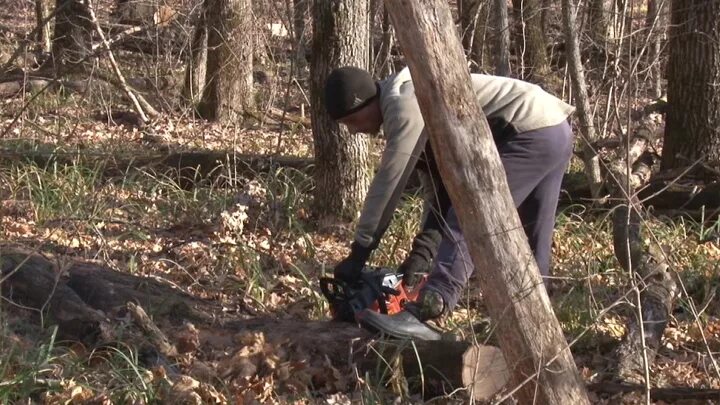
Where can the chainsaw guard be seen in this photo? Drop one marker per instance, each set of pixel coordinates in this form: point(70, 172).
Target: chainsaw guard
point(402, 325)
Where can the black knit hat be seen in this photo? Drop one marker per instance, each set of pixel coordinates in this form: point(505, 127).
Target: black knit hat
point(347, 90)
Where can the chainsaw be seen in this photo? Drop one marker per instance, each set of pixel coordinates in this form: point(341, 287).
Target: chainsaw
point(379, 289)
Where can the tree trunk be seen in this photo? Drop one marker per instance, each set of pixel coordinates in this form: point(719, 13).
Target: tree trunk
point(501, 28)
point(473, 18)
point(599, 22)
point(196, 69)
point(542, 367)
point(530, 40)
point(229, 82)
point(300, 11)
point(71, 39)
point(656, 26)
point(692, 131)
point(582, 101)
point(340, 38)
point(383, 65)
point(44, 36)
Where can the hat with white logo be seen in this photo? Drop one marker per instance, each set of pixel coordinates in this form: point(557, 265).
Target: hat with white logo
point(347, 90)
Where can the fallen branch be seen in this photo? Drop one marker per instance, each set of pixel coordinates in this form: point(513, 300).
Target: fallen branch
point(156, 336)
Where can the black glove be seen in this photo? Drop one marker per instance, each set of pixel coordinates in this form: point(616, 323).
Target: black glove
point(420, 258)
point(348, 270)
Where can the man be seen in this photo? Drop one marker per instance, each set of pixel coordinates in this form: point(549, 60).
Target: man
point(535, 143)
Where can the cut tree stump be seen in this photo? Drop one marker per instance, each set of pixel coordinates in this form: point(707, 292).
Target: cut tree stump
point(81, 297)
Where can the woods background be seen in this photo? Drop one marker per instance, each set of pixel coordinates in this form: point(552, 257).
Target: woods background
point(176, 155)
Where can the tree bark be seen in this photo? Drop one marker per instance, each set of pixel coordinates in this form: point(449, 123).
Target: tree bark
point(530, 40)
point(590, 157)
point(44, 35)
point(502, 38)
point(229, 81)
point(542, 367)
point(71, 39)
point(340, 38)
point(196, 69)
point(692, 131)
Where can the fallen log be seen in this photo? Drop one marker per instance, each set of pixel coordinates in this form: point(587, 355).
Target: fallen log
point(33, 282)
point(189, 167)
point(658, 394)
point(107, 290)
point(88, 290)
point(651, 274)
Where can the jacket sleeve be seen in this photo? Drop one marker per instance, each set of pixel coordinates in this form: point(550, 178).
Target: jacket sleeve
point(405, 140)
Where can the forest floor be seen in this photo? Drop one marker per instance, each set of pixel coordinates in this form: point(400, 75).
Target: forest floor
point(248, 242)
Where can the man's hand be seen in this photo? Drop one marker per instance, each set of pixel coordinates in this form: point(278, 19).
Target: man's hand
point(420, 258)
point(413, 269)
point(348, 270)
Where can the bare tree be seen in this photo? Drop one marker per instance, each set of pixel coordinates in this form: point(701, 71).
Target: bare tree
point(582, 101)
point(530, 40)
point(71, 39)
point(300, 13)
point(473, 17)
point(656, 25)
point(530, 337)
point(340, 37)
point(692, 131)
point(44, 35)
point(502, 38)
point(229, 82)
point(196, 68)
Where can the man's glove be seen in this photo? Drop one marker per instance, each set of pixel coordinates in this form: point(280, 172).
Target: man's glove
point(420, 258)
point(348, 270)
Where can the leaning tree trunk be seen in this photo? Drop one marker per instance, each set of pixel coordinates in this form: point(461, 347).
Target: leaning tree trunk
point(340, 38)
point(501, 27)
point(582, 101)
point(229, 82)
point(71, 39)
point(44, 36)
point(529, 334)
point(530, 40)
point(692, 131)
point(473, 18)
point(196, 69)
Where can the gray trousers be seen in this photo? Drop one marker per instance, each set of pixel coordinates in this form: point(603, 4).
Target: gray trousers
point(534, 162)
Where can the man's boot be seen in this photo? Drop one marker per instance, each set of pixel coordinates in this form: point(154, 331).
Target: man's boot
point(408, 323)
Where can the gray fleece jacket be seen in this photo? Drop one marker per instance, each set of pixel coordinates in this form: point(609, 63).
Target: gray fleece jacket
point(510, 105)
